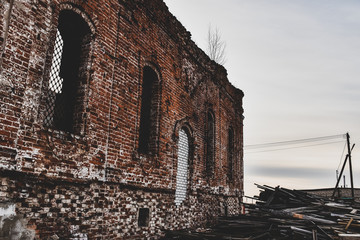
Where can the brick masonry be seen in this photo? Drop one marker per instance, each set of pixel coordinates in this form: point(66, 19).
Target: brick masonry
point(91, 182)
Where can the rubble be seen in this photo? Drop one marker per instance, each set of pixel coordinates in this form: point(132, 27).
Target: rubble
point(281, 213)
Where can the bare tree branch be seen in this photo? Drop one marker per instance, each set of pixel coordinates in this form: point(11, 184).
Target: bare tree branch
point(216, 47)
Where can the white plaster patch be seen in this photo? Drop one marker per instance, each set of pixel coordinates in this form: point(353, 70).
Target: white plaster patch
point(5, 82)
point(35, 151)
point(7, 211)
point(20, 4)
point(83, 172)
point(121, 152)
point(30, 103)
point(6, 165)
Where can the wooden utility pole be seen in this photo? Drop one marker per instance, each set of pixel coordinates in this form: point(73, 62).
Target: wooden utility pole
point(348, 156)
point(350, 165)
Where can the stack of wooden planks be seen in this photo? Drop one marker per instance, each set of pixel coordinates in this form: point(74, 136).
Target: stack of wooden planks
point(281, 213)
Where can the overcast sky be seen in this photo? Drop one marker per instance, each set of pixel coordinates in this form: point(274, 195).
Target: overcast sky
point(298, 63)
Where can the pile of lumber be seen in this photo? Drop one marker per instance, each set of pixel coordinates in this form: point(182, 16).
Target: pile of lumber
point(294, 214)
point(281, 213)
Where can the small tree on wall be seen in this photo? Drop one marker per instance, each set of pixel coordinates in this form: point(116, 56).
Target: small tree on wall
point(216, 47)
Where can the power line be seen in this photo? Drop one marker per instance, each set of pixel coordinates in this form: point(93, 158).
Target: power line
point(292, 142)
point(341, 156)
point(280, 149)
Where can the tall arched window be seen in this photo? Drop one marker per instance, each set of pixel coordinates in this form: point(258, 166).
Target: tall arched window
point(182, 167)
point(210, 143)
point(149, 111)
point(64, 102)
point(230, 154)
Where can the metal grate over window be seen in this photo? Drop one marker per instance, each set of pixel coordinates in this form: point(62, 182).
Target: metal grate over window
point(182, 169)
point(55, 83)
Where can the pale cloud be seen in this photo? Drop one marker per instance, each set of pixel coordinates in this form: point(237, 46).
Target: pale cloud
point(291, 172)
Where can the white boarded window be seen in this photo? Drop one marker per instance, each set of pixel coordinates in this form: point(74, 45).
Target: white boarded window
point(182, 167)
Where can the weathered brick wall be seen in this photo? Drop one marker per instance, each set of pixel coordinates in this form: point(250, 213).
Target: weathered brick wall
point(91, 183)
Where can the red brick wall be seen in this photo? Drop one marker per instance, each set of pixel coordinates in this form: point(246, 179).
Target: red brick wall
point(53, 165)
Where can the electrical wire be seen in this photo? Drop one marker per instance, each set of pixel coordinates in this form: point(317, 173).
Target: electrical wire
point(341, 157)
point(292, 142)
point(280, 149)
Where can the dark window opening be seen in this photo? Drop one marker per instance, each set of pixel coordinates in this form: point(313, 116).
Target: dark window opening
point(226, 209)
point(230, 153)
point(149, 112)
point(66, 90)
point(210, 144)
point(143, 217)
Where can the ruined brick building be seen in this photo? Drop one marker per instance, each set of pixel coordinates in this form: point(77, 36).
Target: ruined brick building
point(113, 123)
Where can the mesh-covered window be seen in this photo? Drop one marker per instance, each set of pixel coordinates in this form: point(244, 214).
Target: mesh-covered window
point(65, 93)
point(230, 153)
point(55, 82)
point(210, 144)
point(149, 112)
point(182, 167)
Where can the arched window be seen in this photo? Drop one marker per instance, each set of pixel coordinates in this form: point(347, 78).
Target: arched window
point(182, 167)
point(230, 153)
point(210, 143)
point(149, 112)
point(64, 103)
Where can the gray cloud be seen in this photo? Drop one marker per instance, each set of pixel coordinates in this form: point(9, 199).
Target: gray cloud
point(291, 172)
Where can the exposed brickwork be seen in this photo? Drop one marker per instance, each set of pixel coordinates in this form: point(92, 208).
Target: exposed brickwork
point(90, 183)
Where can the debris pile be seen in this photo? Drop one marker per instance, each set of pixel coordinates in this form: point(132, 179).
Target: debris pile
point(296, 214)
point(281, 213)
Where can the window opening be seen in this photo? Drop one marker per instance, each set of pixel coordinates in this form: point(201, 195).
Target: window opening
point(210, 144)
point(230, 153)
point(65, 94)
point(55, 83)
point(182, 167)
point(143, 217)
point(149, 108)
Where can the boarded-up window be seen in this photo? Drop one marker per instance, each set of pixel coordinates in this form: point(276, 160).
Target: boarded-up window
point(182, 167)
point(65, 95)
